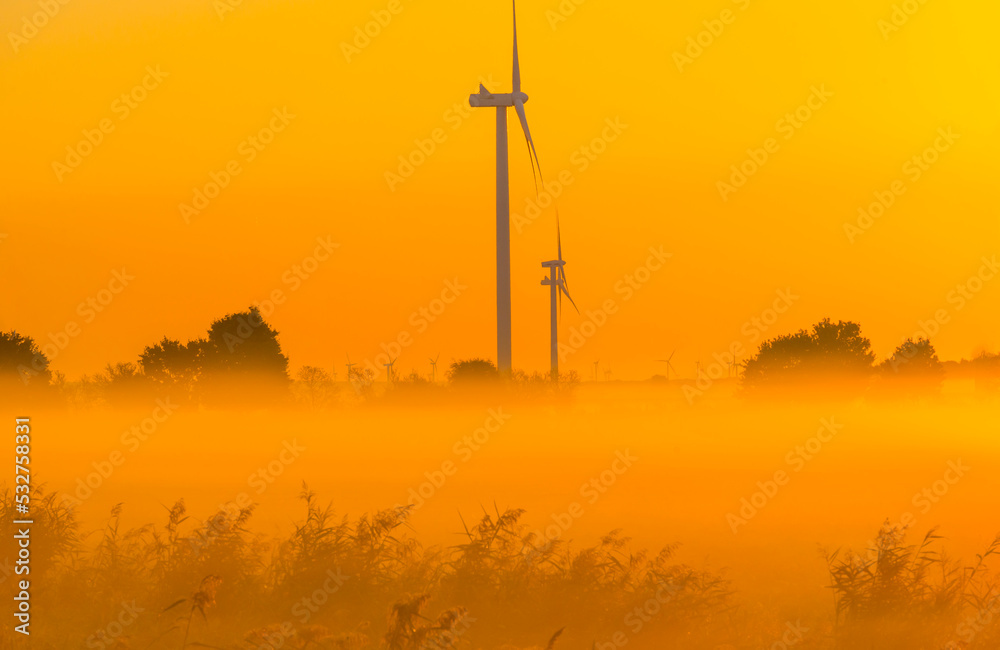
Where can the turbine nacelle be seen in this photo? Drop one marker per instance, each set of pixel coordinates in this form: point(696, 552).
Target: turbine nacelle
point(485, 98)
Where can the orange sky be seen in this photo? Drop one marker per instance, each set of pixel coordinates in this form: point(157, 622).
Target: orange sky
point(655, 185)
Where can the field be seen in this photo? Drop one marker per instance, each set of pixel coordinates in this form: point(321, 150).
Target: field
point(750, 499)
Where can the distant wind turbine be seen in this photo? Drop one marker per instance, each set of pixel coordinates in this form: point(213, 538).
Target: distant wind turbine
point(349, 366)
point(388, 370)
point(501, 102)
point(434, 367)
point(670, 366)
point(596, 368)
point(557, 289)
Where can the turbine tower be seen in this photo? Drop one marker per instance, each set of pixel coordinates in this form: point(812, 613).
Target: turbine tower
point(557, 289)
point(434, 367)
point(502, 102)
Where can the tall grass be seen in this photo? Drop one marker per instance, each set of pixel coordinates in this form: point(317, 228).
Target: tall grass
point(899, 595)
point(336, 582)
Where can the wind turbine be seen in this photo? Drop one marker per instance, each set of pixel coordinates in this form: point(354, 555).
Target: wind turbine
point(388, 370)
point(349, 366)
point(501, 102)
point(557, 284)
point(670, 366)
point(596, 368)
point(434, 367)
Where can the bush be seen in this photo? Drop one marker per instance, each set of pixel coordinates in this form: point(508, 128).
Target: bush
point(472, 372)
point(830, 351)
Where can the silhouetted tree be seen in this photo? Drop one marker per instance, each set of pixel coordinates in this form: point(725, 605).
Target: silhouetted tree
point(362, 381)
point(985, 363)
point(827, 351)
point(316, 385)
point(243, 359)
point(913, 364)
point(174, 367)
point(472, 371)
point(243, 343)
point(119, 383)
point(239, 360)
point(22, 364)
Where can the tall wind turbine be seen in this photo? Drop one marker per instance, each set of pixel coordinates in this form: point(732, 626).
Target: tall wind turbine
point(670, 366)
point(501, 102)
point(388, 370)
point(557, 289)
point(434, 367)
point(349, 367)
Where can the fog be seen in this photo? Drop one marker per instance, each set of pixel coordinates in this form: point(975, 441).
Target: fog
point(755, 491)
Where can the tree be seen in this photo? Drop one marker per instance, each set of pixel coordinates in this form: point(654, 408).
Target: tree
point(119, 383)
point(174, 366)
point(363, 381)
point(472, 371)
point(244, 344)
point(316, 385)
point(829, 350)
point(243, 361)
point(914, 364)
point(22, 363)
point(240, 360)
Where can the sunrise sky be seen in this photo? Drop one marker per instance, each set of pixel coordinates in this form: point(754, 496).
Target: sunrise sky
point(217, 73)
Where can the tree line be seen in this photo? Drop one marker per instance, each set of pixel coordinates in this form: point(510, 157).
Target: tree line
point(240, 360)
point(840, 355)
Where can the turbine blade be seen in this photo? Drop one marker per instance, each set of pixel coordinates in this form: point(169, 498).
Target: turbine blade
point(562, 276)
point(517, 64)
point(562, 270)
point(558, 237)
point(562, 289)
point(532, 153)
